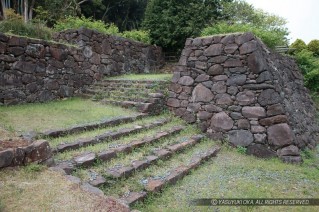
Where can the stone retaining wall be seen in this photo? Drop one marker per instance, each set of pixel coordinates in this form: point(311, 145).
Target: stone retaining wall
point(34, 70)
point(37, 71)
point(112, 55)
point(236, 89)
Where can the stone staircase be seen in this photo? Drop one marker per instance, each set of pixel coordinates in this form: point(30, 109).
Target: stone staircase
point(147, 96)
point(130, 157)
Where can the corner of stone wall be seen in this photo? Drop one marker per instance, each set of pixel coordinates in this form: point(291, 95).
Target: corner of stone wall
point(236, 89)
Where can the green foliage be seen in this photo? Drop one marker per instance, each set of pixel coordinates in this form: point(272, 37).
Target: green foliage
point(138, 35)
point(241, 150)
point(33, 167)
point(171, 22)
point(51, 11)
point(309, 66)
point(239, 16)
point(314, 47)
point(298, 46)
point(14, 24)
point(269, 37)
point(71, 22)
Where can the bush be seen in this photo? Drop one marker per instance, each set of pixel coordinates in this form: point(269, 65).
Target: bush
point(271, 38)
point(309, 66)
point(138, 35)
point(298, 46)
point(313, 46)
point(75, 23)
point(14, 24)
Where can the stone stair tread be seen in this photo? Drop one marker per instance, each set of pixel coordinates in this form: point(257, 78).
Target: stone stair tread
point(106, 155)
point(155, 185)
point(108, 135)
point(80, 128)
point(143, 163)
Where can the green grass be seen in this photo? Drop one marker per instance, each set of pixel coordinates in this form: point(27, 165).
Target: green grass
point(233, 175)
point(142, 77)
point(58, 114)
point(89, 134)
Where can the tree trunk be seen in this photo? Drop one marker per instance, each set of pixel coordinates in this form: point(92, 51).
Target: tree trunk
point(31, 10)
point(2, 9)
point(25, 11)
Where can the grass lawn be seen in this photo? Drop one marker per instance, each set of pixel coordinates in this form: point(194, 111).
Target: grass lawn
point(233, 175)
point(142, 77)
point(56, 115)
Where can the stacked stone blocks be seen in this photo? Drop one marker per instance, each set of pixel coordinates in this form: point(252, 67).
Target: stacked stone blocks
point(236, 89)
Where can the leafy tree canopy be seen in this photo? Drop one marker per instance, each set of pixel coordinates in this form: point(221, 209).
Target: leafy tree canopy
point(170, 22)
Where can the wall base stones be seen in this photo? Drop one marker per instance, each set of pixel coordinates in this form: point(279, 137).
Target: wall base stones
point(38, 151)
point(236, 89)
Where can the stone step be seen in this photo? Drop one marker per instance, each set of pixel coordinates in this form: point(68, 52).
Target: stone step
point(127, 98)
point(161, 154)
point(155, 185)
point(88, 159)
point(139, 106)
point(107, 136)
point(80, 128)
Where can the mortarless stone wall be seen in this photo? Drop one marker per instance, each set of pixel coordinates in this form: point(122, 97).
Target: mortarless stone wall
point(236, 89)
point(112, 55)
point(34, 70)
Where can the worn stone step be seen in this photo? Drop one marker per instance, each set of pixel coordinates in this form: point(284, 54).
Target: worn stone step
point(127, 98)
point(88, 159)
point(80, 128)
point(154, 185)
point(127, 171)
point(139, 106)
point(108, 136)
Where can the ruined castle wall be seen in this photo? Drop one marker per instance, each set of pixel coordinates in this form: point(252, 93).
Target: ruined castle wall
point(234, 88)
point(34, 70)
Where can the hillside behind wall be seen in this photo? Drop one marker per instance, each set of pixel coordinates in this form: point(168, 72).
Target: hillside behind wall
point(236, 89)
point(33, 70)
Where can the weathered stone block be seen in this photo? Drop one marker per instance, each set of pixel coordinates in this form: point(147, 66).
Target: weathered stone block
point(240, 137)
point(222, 122)
point(279, 135)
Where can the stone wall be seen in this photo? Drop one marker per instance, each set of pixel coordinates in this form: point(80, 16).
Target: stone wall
point(112, 55)
point(34, 70)
point(236, 89)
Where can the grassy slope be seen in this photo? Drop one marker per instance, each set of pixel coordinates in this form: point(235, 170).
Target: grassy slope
point(35, 188)
point(232, 175)
point(55, 115)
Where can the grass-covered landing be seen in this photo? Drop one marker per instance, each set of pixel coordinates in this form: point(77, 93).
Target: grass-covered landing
point(233, 175)
point(57, 114)
point(154, 77)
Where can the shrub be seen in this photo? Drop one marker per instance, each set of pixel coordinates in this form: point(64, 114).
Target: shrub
point(298, 46)
point(271, 38)
point(71, 22)
point(138, 35)
point(241, 150)
point(309, 66)
point(14, 24)
point(314, 47)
